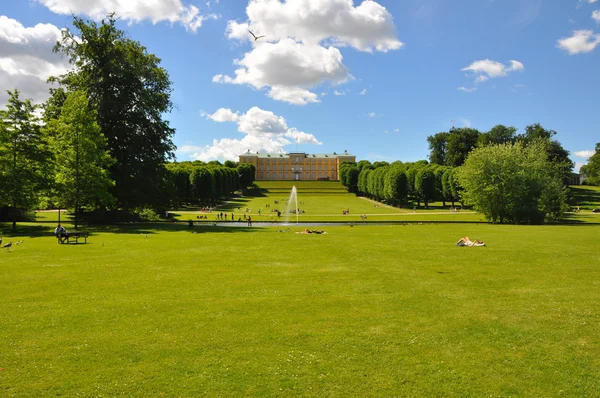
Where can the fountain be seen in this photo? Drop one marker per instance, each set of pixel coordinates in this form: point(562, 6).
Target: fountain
point(293, 198)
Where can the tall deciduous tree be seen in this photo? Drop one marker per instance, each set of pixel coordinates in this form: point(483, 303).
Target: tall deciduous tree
point(23, 155)
point(592, 168)
point(425, 185)
point(81, 158)
point(513, 183)
point(131, 93)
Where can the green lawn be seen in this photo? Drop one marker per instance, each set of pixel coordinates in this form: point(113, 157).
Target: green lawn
point(321, 201)
point(164, 310)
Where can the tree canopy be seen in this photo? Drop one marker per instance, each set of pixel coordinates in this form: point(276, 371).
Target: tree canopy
point(512, 183)
point(130, 93)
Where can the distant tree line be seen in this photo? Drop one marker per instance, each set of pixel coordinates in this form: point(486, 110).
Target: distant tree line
point(508, 177)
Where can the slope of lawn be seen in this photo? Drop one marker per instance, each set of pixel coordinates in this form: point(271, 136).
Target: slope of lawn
point(166, 310)
point(321, 201)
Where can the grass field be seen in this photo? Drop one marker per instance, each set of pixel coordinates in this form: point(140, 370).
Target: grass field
point(369, 310)
point(363, 311)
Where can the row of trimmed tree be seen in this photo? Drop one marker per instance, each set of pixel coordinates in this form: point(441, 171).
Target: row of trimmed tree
point(507, 177)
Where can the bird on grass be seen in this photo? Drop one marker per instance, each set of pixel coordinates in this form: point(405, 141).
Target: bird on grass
point(19, 242)
point(0, 240)
point(7, 246)
point(256, 37)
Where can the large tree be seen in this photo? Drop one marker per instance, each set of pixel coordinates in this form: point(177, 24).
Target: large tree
point(555, 153)
point(131, 93)
point(499, 134)
point(453, 147)
point(513, 183)
point(592, 168)
point(23, 156)
point(81, 159)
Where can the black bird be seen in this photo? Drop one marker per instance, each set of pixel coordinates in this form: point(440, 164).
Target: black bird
point(8, 245)
point(0, 240)
point(256, 37)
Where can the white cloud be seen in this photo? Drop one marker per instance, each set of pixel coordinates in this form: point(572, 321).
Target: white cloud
point(223, 115)
point(584, 154)
point(300, 47)
point(396, 130)
point(133, 10)
point(581, 2)
point(467, 89)
point(487, 69)
point(27, 60)
point(596, 16)
point(367, 27)
point(363, 92)
point(290, 69)
point(264, 131)
point(339, 93)
point(582, 41)
point(372, 115)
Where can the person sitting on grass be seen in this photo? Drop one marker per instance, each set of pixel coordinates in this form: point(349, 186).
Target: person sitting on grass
point(468, 242)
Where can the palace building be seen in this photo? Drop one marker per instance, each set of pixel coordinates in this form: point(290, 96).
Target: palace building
point(296, 166)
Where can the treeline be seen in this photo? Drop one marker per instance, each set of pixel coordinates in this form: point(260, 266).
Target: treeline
point(398, 182)
point(505, 176)
point(100, 144)
point(207, 183)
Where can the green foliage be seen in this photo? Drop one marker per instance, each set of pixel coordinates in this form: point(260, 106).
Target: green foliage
point(131, 93)
point(246, 173)
point(425, 185)
point(396, 189)
point(499, 134)
point(513, 183)
point(24, 166)
point(81, 160)
point(592, 168)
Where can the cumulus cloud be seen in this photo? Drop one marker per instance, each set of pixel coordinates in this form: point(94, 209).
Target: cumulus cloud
point(264, 132)
point(27, 60)
point(223, 115)
point(367, 27)
point(582, 41)
point(584, 154)
point(300, 47)
point(339, 93)
point(596, 16)
point(363, 92)
point(487, 69)
point(289, 68)
point(173, 11)
point(467, 89)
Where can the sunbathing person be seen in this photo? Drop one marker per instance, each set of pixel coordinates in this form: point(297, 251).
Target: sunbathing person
point(468, 242)
point(310, 231)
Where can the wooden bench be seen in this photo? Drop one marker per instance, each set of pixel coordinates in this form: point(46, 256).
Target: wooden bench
point(73, 237)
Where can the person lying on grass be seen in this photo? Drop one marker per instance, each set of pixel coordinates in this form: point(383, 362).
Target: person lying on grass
point(310, 231)
point(468, 242)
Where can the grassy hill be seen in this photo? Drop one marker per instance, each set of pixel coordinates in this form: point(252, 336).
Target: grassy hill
point(320, 201)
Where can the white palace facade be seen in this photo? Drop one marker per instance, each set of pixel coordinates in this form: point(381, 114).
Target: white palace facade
point(297, 165)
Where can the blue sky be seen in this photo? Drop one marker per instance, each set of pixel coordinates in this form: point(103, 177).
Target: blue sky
point(373, 78)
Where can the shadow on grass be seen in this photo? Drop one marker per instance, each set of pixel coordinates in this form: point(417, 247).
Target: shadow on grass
point(586, 198)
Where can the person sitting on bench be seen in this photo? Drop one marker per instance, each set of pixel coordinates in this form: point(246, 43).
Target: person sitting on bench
point(61, 233)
